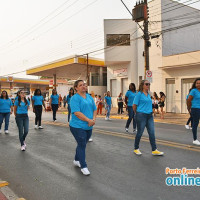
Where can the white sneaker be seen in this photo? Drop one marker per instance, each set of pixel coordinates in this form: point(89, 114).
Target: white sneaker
point(40, 127)
point(90, 140)
point(196, 142)
point(6, 131)
point(23, 148)
point(126, 129)
point(106, 118)
point(187, 126)
point(76, 163)
point(36, 126)
point(85, 171)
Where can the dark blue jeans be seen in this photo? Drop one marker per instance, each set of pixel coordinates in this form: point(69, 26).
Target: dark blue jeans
point(22, 121)
point(145, 120)
point(108, 108)
point(131, 116)
point(69, 112)
point(5, 116)
point(81, 136)
point(54, 108)
point(195, 113)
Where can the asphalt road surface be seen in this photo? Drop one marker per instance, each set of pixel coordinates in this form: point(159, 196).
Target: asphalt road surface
point(46, 172)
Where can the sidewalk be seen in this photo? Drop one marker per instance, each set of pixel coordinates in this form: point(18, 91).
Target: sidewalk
point(169, 118)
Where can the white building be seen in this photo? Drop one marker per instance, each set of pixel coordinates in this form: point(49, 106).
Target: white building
point(174, 55)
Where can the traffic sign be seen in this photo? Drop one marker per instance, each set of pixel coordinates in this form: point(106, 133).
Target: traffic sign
point(148, 73)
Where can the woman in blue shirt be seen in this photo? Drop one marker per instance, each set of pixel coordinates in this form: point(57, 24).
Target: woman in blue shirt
point(108, 103)
point(142, 106)
point(129, 98)
point(193, 105)
point(37, 102)
point(83, 119)
point(21, 115)
point(54, 102)
point(6, 108)
point(69, 96)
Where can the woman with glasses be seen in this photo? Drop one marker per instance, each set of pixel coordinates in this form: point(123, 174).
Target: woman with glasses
point(83, 119)
point(142, 106)
point(193, 105)
point(54, 103)
point(37, 102)
point(6, 108)
point(21, 115)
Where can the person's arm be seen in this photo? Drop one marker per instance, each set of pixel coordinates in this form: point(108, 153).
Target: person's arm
point(126, 100)
point(43, 104)
point(82, 117)
point(50, 101)
point(189, 103)
point(94, 115)
point(134, 108)
point(15, 110)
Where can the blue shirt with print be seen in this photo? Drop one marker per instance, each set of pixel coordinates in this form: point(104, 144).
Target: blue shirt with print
point(22, 108)
point(83, 105)
point(108, 100)
point(5, 105)
point(55, 99)
point(195, 93)
point(38, 100)
point(131, 96)
point(143, 103)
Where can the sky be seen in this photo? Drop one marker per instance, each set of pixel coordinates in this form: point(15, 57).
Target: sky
point(34, 32)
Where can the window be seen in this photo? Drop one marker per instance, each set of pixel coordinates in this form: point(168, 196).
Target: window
point(95, 79)
point(118, 39)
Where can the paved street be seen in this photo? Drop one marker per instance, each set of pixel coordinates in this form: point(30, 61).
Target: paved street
point(45, 171)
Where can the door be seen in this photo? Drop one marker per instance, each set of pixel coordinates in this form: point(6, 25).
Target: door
point(170, 96)
point(124, 85)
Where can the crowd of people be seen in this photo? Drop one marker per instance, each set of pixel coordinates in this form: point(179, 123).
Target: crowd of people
point(83, 109)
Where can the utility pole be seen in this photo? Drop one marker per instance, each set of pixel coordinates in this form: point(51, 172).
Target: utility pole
point(88, 75)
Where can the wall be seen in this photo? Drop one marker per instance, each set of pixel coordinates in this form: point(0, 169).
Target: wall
point(99, 90)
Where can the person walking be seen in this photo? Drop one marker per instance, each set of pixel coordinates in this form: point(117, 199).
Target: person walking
point(142, 106)
point(6, 108)
point(120, 103)
point(64, 101)
point(129, 98)
point(21, 116)
point(83, 119)
point(69, 96)
point(187, 126)
point(108, 103)
point(162, 104)
point(193, 105)
point(54, 103)
point(99, 105)
point(155, 101)
point(37, 102)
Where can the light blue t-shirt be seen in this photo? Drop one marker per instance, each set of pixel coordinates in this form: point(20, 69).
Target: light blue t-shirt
point(108, 100)
point(55, 99)
point(68, 99)
point(5, 105)
point(196, 98)
point(23, 108)
point(143, 103)
point(131, 96)
point(38, 100)
point(85, 106)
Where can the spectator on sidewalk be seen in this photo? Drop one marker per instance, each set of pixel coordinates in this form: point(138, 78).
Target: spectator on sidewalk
point(108, 102)
point(129, 98)
point(69, 96)
point(162, 104)
point(120, 102)
point(64, 101)
point(60, 100)
point(6, 108)
point(193, 105)
point(21, 115)
point(83, 119)
point(142, 107)
point(54, 103)
point(155, 101)
point(187, 126)
point(99, 105)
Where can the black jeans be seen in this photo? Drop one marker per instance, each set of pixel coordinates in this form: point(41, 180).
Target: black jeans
point(54, 108)
point(195, 112)
point(38, 115)
point(120, 107)
point(190, 120)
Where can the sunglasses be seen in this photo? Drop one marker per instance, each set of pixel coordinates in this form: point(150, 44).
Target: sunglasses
point(147, 84)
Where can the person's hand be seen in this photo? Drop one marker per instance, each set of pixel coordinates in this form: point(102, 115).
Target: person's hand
point(91, 122)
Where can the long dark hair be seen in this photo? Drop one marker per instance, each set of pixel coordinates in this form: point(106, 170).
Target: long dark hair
point(70, 92)
point(76, 83)
point(162, 94)
point(54, 90)
point(133, 85)
point(155, 94)
point(194, 84)
point(2, 94)
point(35, 93)
point(20, 100)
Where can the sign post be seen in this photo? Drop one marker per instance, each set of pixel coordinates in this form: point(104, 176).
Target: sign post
point(149, 76)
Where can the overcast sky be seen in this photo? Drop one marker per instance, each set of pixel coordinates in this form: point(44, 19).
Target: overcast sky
point(34, 32)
